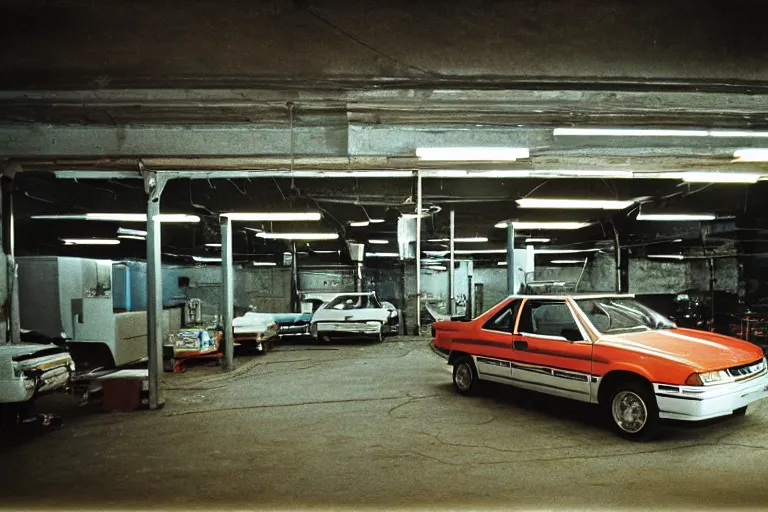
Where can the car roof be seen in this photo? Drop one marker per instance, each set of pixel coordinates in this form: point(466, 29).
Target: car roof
point(577, 296)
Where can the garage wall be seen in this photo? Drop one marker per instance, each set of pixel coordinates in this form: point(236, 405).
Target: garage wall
point(657, 277)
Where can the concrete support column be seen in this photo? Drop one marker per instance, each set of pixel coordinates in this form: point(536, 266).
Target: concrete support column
point(13, 324)
point(511, 273)
point(154, 184)
point(418, 252)
point(228, 292)
point(451, 263)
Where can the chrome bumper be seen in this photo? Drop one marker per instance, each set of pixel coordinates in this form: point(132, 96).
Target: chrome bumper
point(363, 328)
point(695, 403)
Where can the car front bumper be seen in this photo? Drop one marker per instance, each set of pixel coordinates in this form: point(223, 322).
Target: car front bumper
point(695, 403)
point(348, 328)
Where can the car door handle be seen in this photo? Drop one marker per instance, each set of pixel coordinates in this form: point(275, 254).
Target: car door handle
point(520, 345)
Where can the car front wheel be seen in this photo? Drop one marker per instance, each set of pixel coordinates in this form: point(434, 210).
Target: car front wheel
point(464, 376)
point(633, 411)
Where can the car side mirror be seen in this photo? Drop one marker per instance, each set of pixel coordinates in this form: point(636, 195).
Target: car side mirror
point(572, 334)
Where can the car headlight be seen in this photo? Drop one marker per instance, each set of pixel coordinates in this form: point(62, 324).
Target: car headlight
point(706, 378)
point(713, 377)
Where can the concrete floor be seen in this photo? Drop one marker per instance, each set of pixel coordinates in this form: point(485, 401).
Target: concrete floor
point(376, 426)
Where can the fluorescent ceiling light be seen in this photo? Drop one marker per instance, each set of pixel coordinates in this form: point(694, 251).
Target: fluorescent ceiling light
point(376, 221)
point(568, 262)
point(264, 263)
point(359, 224)
point(206, 259)
point(472, 154)
point(737, 134)
point(378, 242)
point(178, 218)
point(382, 255)
point(469, 240)
point(272, 217)
point(584, 204)
point(480, 251)
point(676, 217)
point(537, 240)
point(90, 241)
point(501, 263)
point(629, 132)
point(125, 217)
point(122, 217)
point(719, 177)
point(132, 237)
point(666, 256)
point(298, 236)
point(543, 225)
point(436, 267)
point(750, 155)
point(585, 173)
point(326, 252)
point(563, 251)
point(213, 245)
point(134, 232)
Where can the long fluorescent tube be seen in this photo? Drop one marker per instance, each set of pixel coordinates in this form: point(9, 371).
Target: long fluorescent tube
point(298, 236)
point(436, 267)
point(676, 217)
point(501, 263)
point(121, 217)
point(325, 252)
point(90, 241)
point(179, 218)
point(272, 217)
point(629, 132)
point(563, 251)
point(543, 225)
point(470, 240)
point(376, 221)
point(480, 251)
point(359, 224)
point(537, 240)
point(263, 263)
point(473, 154)
point(568, 262)
point(666, 256)
point(375, 241)
point(382, 255)
point(133, 237)
point(751, 155)
point(719, 177)
point(134, 232)
point(206, 259)
point(737, 134)
point(583, 204)
point(213, 245)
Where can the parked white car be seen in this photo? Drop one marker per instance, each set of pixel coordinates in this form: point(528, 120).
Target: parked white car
point(29, 369)
point(354, 315)
point(258, 330)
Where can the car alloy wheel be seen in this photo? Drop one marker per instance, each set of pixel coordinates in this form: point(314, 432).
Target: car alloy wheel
point(629, 412)
point(464, 376)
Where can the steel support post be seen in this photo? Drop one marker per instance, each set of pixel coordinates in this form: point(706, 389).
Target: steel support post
point(511, 274)
point(451, 265)
point(418, 252)
point(228, 292)
point(154, 183)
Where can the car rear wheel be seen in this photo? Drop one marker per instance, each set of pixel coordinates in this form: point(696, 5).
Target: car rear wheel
point(633, 411)
point(464, 375)
point(741, 411)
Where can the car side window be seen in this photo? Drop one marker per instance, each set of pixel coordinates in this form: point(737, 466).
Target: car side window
point(504, 320)
point(549, 318)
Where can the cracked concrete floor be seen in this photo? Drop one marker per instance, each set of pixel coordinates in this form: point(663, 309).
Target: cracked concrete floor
point(376, 426)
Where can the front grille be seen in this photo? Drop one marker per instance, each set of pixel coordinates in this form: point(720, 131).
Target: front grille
point(746, 369)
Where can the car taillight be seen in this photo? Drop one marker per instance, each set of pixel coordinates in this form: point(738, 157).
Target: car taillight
point(693, 380)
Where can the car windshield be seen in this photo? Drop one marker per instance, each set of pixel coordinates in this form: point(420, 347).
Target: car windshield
point(622, 315)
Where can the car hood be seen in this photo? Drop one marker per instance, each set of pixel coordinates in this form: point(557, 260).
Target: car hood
point(703, 351)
